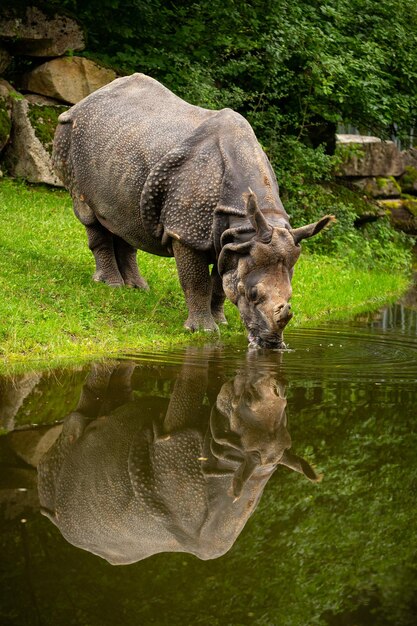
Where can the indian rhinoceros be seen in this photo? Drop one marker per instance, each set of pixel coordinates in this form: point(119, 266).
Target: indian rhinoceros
point(157, 475)
point(146, 170)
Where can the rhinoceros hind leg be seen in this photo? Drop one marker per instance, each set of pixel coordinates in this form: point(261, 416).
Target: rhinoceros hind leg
point(100, 242)
point(217, 297)
point(195, 281)
point(127, 264)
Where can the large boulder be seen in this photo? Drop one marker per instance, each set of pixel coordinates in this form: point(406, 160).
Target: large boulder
point(28, 154)
point(35, 34)
point(364, 156)
point(408, 181)
point(5, 112)
point(69, 79)
point(402, 213)
point(380, 187)
point(5, 60)
point(410, 157)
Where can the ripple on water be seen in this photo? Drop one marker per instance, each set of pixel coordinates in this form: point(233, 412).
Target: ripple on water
point(337, 351)
point(353, 352)
point(378, 347)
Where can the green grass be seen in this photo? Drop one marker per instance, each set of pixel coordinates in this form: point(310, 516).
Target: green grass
point(50, 308)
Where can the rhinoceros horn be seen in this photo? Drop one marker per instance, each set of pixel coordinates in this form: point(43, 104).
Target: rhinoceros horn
point(247, 467)
point(263, 229)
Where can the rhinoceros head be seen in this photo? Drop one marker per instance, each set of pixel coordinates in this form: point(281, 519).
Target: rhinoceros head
point(249, 424)
point(257, 272)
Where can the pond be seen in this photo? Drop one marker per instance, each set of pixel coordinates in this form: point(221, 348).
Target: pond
point(217, 485)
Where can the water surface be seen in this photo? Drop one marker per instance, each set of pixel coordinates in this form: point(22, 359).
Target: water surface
point(217, 485)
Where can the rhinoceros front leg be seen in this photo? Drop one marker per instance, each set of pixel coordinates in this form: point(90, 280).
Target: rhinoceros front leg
point(217, 297)
point(193, 272)
point(127, 264)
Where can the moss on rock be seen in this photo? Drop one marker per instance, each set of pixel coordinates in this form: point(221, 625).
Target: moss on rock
point(408, 180)
point(388, 184)
point(44, 120)
point(410, 204)
point(5, 123)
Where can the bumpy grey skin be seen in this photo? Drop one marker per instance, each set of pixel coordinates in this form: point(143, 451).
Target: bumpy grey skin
point(125, 485)
point(148, 171)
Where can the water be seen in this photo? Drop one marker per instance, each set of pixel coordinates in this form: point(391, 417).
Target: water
point(230, 486)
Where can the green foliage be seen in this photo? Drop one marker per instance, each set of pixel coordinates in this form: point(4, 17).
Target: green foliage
point(294, 69)
point(372, 245)
point(287, 65)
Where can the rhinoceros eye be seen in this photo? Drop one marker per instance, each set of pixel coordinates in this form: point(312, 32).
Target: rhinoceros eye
point(255, 294)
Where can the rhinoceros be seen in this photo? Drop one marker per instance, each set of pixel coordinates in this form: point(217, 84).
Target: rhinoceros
point(153, 475)
point(146, 170)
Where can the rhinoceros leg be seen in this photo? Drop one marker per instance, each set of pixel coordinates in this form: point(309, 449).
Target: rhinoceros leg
point(127, 264)
point(217, 297)
point(196, 284)
point(100, 242)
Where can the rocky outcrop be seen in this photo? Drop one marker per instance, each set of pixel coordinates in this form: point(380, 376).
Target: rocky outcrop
point(408, 181)
point(27, 123)
point(68, 79)
point(28, 153)
point(410, 157)
point(37, 35)
point(384, 175)
point(402, 213)
point(381, 187)
point(32, 445)
point(5, 112)
point(5, 60)
point(364, 156)
point(13, 392)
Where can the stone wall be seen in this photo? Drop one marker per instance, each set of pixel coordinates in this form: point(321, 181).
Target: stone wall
point(379, 171)
point(29, 108)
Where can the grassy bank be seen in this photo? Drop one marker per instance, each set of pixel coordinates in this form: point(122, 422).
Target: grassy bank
point(50, 308)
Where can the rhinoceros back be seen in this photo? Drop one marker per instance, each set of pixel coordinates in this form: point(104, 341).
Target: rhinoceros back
point(106, 145)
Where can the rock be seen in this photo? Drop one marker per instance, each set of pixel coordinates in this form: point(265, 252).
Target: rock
point(5, 112)
point(68, 79)
point(35, 98)
point(378, 187)
point(368, 157)
point(13, 392)
point(6, 89)
point(410, 157)
point(408, 181)
point(5, 59)
point(32, 445)
point(35, 34)
point(403, 214)
point(28, 154)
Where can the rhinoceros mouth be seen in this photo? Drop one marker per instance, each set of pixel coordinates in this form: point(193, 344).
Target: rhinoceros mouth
point(269, 343)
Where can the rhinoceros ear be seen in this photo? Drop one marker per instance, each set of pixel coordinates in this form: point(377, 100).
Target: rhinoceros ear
point(300, 465)
point(311, 229)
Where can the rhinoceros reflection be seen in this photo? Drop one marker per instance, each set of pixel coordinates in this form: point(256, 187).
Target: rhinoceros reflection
point(165, 475)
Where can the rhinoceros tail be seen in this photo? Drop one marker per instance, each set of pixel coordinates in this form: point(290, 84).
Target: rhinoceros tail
point(61, 153)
